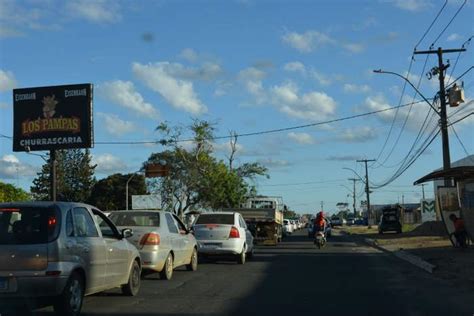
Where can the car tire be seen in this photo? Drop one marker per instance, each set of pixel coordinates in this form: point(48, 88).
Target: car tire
point(250, 254)
point(167, 272)
point(69, 303)
point(241, 257)
point(133, 285)
point(193, 265)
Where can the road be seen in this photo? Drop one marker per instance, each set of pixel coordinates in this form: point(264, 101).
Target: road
point(345, 278)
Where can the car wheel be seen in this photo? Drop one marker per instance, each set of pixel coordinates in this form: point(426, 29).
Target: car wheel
point(193, 265)
point(241, 257)
point(167, 272)
point(251, 253)
point(69, 303)
point(133, 285)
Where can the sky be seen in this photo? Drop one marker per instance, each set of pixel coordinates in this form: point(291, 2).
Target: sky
point(250, 66)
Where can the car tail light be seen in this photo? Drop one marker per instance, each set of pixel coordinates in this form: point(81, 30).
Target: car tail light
point(234, 232)
point(150, 239)
point(53, 273)
point(52, 221)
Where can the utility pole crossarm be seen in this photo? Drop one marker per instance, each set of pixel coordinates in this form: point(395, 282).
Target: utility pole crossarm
point(457, 50)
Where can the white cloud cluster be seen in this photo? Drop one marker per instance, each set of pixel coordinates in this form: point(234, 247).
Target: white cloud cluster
point(295, 66)
point(313, 40)
point(207, 71)
point(123, 93)
point(177, 92)
point(108, 164)
point(252, 79)
point(454, 37)
point(354, 88)
point(357, 135)
point(11, 167)
point(313, 106)
point(274, 163)
point(411, 5)
point(116, 126)
point(189, 54)
point(301, 138)
point(98, 11)
point(299, 67)
point(7, 81)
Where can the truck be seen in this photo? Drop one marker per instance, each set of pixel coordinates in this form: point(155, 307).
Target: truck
point(264, 217)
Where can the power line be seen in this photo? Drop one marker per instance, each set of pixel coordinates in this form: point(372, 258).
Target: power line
point(460, 142)
point(301, 183)
point(449, 23)
point(432, 23)
point(466, 43)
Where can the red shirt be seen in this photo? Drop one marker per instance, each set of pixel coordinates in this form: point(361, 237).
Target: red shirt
point(459, 225)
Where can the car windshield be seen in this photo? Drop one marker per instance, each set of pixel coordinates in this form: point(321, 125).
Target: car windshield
point(215, 219)
point(28, 225)
point(136, 218)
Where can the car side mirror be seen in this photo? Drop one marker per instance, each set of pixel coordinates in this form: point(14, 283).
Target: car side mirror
point(127, 233)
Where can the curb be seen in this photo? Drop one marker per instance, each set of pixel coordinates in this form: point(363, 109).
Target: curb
point(401, 254)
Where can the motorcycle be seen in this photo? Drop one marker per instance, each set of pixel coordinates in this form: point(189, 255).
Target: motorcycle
point(320, 239)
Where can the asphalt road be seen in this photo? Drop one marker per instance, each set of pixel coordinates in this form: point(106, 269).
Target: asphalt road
point(344, 278)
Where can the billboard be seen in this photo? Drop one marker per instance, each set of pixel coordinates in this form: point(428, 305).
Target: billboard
point(146, 202)
point(56, 117)
point(428, 210)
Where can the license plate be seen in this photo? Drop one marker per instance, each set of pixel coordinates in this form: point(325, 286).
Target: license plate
point(3, 284)
point(212, 246)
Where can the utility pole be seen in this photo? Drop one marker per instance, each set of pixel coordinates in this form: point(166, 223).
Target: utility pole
point(322, 206)
point(423, 189)
point(354, 180)
point(367, 190)
point(442, 98)
point(52, 174)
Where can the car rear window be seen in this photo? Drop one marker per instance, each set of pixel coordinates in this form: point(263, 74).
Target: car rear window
point(390, 218)
point(215, 219)
point(135, 218)
point(28, 225)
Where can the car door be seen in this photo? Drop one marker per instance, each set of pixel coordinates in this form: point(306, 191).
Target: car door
point(84, 244)
point(117, 251)
point(173, 238)
point(185, 245)
point(247, 233)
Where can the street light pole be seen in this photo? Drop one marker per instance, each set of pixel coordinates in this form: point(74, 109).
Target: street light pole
point(126, 190)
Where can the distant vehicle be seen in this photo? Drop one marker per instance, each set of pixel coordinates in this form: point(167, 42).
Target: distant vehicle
point(310, 230)
point(350, 221)
point(287, 227)
point(162, 239)
point(223, 234)
point(294, 225)
point(57, 252)
point(337, 221)
point(265, 216)
point(390, 220)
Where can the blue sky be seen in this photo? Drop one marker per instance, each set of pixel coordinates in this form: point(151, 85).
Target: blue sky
point(247, 66)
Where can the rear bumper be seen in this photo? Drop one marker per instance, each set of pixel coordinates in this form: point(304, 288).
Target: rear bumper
point(227, 247)
point(33, 287)
point(153, 260)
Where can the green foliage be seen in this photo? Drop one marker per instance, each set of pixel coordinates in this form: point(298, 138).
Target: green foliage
point(289, 214)
point(109, 193)
point(74, 177)
point(10, 193)
point(197, 178)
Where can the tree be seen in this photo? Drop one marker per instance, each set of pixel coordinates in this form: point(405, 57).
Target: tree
point(197, 178)
point(10, 193)
point(74, 177)
point(109, 193)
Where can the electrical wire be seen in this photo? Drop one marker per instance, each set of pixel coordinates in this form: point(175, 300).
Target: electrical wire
point(460, 142)
point(462, 75)
point(449, 23)
point(432, 23)
point(466, 43)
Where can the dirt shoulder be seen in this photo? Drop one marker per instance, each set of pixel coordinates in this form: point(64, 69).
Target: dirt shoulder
point(430, 242)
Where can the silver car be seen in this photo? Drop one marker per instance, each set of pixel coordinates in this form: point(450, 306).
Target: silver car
point(162, 239)
point(57, 252)
point(223, 234)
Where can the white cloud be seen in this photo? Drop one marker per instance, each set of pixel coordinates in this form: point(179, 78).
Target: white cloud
point(98, 11)
point(207, 71)
point(123, 93)
point(454, 37)
point(11, 167)
point(295, 66)
point(354, 88)
point(108, 163)
point(357, 135)
point(321, 78)
point(313, 106)
point(115, 126)
point(343, 158)
point(411, 5)
point(301, 138)
point(252, 79)
point(189, 54)
point(307, 41)
point(313, 40)
point(274, 163)
point(179, 93)
point(7, 81)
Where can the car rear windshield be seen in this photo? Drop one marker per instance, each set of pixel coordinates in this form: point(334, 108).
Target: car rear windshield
point(135, 218)
point(390, 218)
point(28, 225)
point(216, 219)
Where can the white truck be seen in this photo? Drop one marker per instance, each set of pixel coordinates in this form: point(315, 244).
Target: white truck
point(264, 217)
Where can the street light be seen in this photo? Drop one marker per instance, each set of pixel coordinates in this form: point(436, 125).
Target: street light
point(126, 187)
point(355, 173)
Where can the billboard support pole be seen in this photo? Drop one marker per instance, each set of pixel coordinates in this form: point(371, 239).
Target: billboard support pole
point(52, 174)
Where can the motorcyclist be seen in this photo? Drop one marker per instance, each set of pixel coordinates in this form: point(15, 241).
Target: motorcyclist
point(319, 224)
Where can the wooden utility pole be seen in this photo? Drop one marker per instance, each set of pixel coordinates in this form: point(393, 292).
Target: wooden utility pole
point(367, 189)
point(354, 180)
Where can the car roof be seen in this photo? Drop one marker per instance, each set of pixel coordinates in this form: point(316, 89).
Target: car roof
point(136, 211)
point(218, 213)
point(60, 204)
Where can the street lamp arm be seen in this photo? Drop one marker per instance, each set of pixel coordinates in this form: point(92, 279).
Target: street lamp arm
point(360, 178)
point(380, 71)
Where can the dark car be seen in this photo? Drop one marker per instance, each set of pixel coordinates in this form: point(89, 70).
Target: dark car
point(390, 222)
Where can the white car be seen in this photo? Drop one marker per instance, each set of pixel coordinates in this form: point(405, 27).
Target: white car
point(287, 227)
point(223, 234)
point(293, 225)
